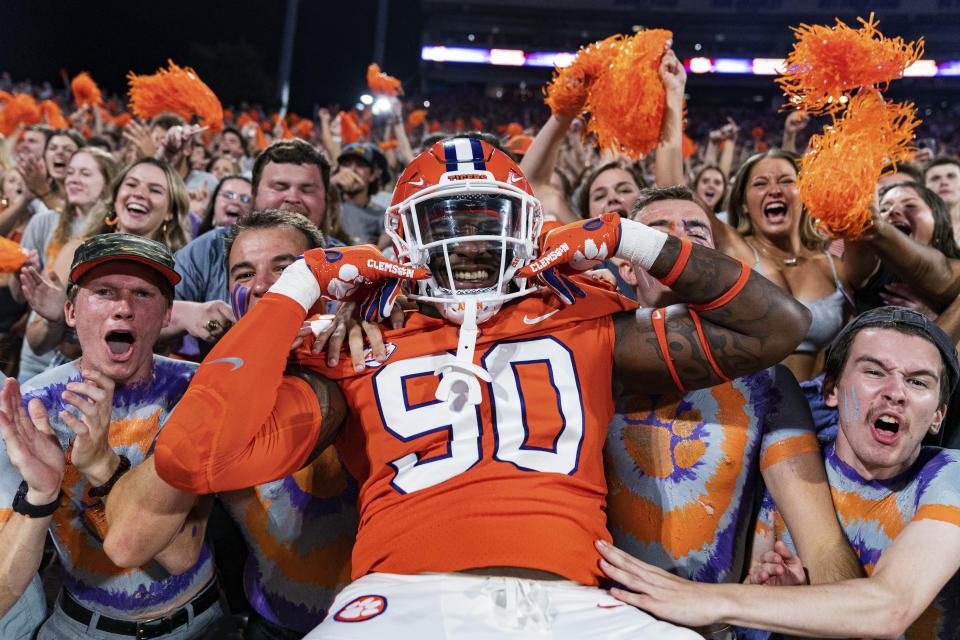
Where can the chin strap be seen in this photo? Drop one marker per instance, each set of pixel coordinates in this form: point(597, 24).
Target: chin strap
point(459, 378)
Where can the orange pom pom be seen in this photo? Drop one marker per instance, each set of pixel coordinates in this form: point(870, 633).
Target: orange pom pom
point(514, 129)
point(829, 62)
point(178, 90)
point(85, 91)
point(761, 146)
point(626, 99)
point(266, 125)
point(123, 119)
point(459, 124)
point(757, 132)
point(304, 129)
point(434, 126)
point(227, 114)
point(244, 119)
point(381, 84)
point(392, 144)
point(5, 97)
point(12, 256)
point(349, 131)
point(689, 147)
point(53, 115)
point(20, 108)
point(567, 91)
point(501, 129)
point(292, 119)
point(477, 124)
point(417, 117)
point(840, 172)
point(261, 139)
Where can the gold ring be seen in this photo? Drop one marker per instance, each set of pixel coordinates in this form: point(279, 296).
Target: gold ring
point(212, 325)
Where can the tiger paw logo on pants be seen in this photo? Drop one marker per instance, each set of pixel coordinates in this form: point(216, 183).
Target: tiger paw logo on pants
point(362, 608)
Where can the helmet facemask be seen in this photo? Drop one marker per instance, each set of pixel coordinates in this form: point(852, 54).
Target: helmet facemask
point(473, 237)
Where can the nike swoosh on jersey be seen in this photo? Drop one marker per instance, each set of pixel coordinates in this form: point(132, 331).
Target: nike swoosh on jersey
point(419, 183)
point(528, 320)
point(236, 362)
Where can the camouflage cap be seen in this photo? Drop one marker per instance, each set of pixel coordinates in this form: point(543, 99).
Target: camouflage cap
point(123, 246)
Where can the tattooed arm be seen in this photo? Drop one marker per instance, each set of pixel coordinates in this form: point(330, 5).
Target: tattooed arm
point(757, 328)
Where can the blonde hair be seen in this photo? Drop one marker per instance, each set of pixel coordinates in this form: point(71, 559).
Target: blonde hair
point(108, 169)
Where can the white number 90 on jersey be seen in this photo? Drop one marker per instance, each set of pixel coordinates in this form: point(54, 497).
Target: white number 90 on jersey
point(464, 426)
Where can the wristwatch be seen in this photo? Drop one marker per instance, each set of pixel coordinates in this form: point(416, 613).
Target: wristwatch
point(21, 506)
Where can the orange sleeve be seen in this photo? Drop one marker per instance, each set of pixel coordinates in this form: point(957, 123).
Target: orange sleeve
point(241, 422)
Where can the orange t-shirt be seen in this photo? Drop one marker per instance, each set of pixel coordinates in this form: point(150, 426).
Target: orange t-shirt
point(514, 481)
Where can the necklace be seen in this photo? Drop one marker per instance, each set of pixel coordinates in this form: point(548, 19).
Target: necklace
point(790, 261)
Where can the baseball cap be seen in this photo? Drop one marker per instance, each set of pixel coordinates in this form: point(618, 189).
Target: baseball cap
point(357, 150)
point(519, 144)
point(123, 246)
point(890, 316)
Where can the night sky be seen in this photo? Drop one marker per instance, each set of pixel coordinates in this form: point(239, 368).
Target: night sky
point(234, 46)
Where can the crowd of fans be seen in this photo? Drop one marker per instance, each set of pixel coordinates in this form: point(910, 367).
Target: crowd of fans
point(207, 196)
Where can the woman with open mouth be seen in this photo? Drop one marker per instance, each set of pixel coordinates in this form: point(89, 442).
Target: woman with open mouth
point(146, 199)
point(232, 199)
point(710, 185)
point(770, 231)
point(920, 214)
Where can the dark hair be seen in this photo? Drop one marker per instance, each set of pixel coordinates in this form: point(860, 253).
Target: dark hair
point(100, 142)
point(45, 129)
point(206, 223)
point(236, 132)
point(723, 180)
point(838, 352)
point(299, 151)
point(938, 161)
point(649, 195)
point(69, 133)
point(167, 121)
point(583, 201)
point(942, 238)
point(213, 159)
point(737, 213)
point(908, 168)
point(268, 219)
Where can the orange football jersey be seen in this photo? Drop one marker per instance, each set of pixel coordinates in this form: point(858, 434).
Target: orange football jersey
point(514, 481)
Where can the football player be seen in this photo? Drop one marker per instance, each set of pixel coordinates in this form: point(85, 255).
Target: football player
point(477, 437)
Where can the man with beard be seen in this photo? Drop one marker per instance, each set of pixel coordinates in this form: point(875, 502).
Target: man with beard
point(358, 178)
point(290, 175)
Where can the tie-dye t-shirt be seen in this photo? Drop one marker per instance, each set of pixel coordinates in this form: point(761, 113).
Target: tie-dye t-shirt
point(88, 574)
point(683, 470)
point(874, 512)
point(300, 531)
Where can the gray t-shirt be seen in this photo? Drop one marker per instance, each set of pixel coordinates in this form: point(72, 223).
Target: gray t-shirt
point(363, 223)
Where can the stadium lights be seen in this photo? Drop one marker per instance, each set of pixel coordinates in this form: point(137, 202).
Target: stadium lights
point(742, 66)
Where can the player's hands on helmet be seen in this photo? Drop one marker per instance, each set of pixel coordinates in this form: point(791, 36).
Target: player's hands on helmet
point(573, 248)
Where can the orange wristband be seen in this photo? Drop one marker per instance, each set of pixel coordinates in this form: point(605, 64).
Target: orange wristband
point(685, 248)
point(706, 347)
point(730, 294)
point(659, 318)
